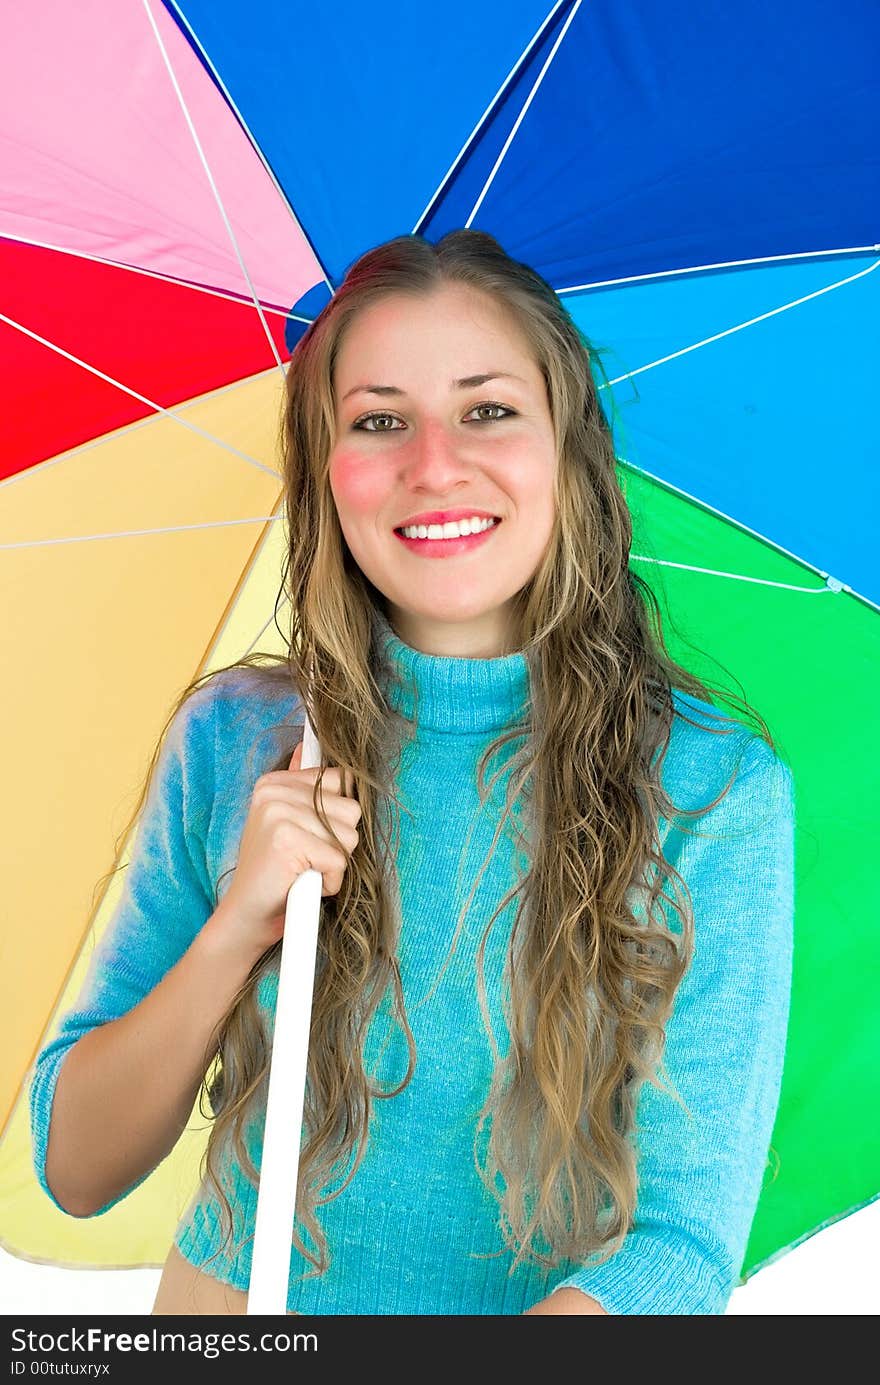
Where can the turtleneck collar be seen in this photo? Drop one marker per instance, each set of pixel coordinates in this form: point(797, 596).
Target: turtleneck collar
point(454, 695)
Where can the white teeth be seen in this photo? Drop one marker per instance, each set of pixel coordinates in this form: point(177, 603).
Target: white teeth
point(454, 529)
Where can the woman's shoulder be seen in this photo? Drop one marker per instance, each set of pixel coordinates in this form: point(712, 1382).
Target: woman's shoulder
point(710, 749)
point(242, 691)
point(244, 710)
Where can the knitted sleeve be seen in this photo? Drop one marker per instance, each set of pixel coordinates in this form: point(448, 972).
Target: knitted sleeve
point(165, 900)
point(700, 1177)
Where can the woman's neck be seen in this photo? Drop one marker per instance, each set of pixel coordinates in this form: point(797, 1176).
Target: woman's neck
point(489, 636)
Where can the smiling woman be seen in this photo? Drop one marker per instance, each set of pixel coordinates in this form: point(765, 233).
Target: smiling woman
point(528, 1092)
point(447, 452)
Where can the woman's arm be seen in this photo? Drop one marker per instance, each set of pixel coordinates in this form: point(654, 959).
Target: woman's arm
point(126, 1089)
point(701, 1173)
point(115, 1086)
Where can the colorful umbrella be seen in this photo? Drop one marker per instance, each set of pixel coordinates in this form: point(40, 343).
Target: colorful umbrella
point(183, 187)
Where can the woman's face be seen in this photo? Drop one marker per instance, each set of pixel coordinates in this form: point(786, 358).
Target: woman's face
point(422, 431)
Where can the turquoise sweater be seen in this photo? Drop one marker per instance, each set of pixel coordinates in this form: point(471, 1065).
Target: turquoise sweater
point(415, 1230)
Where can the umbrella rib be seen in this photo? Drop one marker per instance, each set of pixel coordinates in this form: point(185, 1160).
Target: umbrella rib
point(740, 577)
point(221, 85)
point(722, 264)
point(832, 583)
point(728, 331)
point(280, 600)
point(487, 114)
point(529, 99)
point(215, 190)
point(229, 297)
point(158, 408)
point(139, 533)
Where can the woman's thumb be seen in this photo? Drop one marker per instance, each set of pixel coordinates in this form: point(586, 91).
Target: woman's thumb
point(296, 757)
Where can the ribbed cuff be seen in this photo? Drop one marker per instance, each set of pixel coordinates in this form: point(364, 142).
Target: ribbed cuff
point(40, 1098)
point(655, 1273)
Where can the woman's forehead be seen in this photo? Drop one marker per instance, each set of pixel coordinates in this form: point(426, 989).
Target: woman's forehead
point(404, 330)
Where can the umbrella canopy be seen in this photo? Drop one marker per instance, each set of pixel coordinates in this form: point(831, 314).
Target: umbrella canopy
point(184, 186)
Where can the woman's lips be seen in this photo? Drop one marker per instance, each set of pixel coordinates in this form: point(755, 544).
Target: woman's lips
point(447, 548)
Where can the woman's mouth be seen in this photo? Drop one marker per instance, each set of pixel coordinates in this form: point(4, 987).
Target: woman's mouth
point(446, 547)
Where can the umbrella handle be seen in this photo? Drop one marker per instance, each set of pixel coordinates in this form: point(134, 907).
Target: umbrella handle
point(276, 1198)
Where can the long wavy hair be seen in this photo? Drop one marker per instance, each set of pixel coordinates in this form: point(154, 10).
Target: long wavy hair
point(593, 983)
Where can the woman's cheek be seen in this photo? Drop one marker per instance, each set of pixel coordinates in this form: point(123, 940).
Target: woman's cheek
point(358, 487)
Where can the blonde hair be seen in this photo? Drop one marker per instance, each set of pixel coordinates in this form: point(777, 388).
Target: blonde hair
point(593, 985)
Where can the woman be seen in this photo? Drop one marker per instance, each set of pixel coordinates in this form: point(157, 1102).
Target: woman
point(551, 1088)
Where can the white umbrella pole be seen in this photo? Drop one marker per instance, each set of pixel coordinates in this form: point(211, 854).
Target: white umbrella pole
point(276, 1199)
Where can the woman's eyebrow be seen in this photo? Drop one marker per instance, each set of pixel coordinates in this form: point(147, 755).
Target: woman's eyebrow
point(467, 382)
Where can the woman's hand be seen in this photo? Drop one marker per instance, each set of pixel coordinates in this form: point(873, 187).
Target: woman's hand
point(282, 838)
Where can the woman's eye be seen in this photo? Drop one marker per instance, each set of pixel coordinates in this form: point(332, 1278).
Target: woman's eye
point(503, 407)
point(380, 419)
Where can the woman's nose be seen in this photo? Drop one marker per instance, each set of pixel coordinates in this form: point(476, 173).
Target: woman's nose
point(433, 456)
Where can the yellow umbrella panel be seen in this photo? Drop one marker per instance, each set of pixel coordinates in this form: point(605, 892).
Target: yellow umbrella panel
point(132, 565)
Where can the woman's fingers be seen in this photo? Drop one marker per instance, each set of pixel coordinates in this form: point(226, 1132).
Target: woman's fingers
point(333, 798)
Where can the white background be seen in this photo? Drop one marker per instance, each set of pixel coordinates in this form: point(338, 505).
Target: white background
point(837, 1272)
